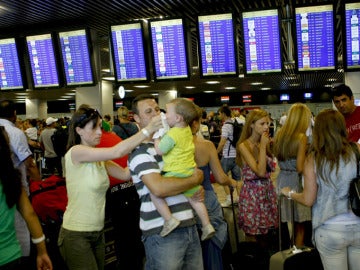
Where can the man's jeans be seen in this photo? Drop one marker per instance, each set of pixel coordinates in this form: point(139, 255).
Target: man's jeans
point(181, 249)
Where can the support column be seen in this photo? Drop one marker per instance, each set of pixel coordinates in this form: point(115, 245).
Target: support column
point(36, 108)
point(352, 79)
point(98, 97)
point(165, 97)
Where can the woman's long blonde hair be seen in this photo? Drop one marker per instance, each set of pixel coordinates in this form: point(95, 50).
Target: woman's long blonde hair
point(251, 118)
point(286, 141)
point(330, 142)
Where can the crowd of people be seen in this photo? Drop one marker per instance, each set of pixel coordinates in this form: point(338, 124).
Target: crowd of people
point(158, 192)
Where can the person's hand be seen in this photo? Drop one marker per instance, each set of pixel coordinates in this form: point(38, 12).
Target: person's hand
point(285, 191)
point(233, 183)
point(43, 262)
point(155, 124)
point(198, 175)
point(199, 195)
point(265, 139)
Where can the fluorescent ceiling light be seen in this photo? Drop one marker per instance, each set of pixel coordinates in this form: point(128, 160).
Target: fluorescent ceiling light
point(129, 90)
point(141, 86)
point(256, 83)
point(208, 91)
point(212, 82)
point(189, 87)
point(230, 87)
point(265, 88)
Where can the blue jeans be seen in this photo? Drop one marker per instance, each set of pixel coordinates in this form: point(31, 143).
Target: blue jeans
point(229, 164)
point(179, 250)
point(339, 246)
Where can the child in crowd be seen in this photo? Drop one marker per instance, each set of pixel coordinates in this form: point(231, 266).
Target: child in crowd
point(178, 150)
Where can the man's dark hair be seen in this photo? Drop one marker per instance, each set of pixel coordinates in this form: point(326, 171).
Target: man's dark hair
point(7, 109)
point(225, 109)
point(204, 114)
point(340, 90)
point(135, 101)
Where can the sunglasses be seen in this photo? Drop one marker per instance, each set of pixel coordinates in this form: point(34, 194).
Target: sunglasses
point(88, 115)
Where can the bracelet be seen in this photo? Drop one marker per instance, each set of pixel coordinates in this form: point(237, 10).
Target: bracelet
point(290, 192)
point(145, 132)
point(38, 240)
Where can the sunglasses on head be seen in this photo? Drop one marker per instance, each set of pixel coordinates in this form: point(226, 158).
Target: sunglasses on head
point(89, 114)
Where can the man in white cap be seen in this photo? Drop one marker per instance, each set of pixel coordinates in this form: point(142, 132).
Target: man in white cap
point(52, 161)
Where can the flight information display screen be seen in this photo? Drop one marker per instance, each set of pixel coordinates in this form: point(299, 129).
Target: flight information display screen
point(261, 31)
point(128, 52)
point(217, 44)
point(352, 33)
point(10, 72)
point(75, 55)
point(42, 61)
point(169, 49)
point(315, 38)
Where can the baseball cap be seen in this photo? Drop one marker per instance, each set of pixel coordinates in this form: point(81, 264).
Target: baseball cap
point(50, 120)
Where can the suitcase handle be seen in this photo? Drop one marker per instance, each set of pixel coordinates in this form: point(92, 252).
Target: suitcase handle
point(292, 221)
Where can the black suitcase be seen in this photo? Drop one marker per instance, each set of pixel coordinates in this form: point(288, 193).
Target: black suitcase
point(293, 258)
point(248, 255)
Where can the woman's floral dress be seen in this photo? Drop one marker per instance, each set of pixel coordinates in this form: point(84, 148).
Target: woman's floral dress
point(257, 202)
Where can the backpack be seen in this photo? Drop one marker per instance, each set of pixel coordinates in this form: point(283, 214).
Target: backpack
point(59, 140)
point(237, 129)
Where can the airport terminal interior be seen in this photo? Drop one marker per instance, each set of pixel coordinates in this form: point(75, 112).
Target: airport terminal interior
point(268, 54)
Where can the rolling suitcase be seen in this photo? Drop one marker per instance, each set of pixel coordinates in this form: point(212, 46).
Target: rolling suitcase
point(248, 255)
point(294, 258)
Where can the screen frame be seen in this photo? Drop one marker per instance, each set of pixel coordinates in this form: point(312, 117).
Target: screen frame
point(280, 43)
point(332, 69)
point(21, 61)
point(236, 73)
point(186, 47)
point(146, 56)
point(346, 67)
point(91, 56)
point(56, 59)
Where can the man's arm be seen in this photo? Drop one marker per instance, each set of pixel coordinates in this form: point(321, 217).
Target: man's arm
point(169, 186)
point(31, 168)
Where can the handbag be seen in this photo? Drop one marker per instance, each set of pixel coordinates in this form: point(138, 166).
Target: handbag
point(354, 189)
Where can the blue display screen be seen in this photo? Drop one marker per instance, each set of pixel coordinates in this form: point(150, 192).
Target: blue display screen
point(352, 33)
point(128, 51)
point(10, 72)
point(262, 41)
point(169, 49)
point(217, 44)
point(42, 60)
point(76, 57)
point(315, 38)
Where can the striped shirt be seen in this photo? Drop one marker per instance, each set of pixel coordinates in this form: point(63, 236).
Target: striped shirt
point(142, 161)
point(227, 132)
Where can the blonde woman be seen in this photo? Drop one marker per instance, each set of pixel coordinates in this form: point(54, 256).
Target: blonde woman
point(257, 200)
point(289, 148)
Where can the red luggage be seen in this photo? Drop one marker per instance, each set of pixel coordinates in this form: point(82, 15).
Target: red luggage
point(49, 198)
